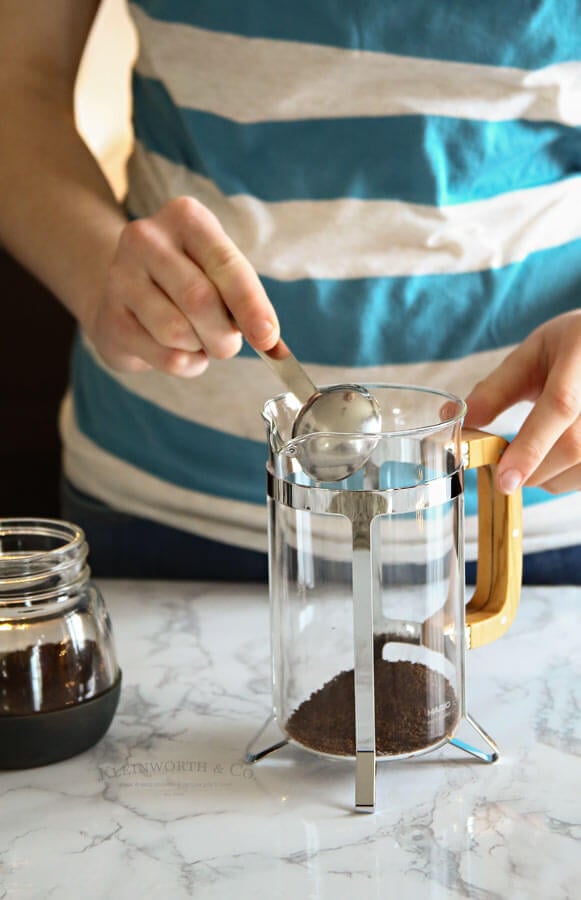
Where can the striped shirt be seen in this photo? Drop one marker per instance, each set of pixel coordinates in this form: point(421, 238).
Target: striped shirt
point(404, 178)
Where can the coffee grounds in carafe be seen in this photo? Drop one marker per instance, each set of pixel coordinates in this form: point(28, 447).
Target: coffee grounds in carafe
point(415, 707)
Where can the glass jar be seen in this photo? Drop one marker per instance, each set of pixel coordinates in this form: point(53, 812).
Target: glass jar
point(59, 677)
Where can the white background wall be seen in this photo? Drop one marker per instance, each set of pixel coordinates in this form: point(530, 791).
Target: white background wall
point(103, 95)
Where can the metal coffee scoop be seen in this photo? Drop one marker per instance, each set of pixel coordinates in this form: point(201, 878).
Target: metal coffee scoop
point(335, 414)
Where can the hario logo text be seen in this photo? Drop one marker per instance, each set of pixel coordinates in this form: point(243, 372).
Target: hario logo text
point(437, 710)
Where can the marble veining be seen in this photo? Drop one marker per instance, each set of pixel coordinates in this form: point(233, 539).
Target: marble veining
point(165, 805)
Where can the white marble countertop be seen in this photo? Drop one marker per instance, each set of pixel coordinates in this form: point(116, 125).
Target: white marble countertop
point(164, 806)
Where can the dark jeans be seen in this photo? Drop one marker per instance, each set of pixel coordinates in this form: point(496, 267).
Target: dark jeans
point(126, 546)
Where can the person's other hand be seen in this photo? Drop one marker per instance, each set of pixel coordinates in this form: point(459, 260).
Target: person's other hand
point(179, 291)
point(545, 369)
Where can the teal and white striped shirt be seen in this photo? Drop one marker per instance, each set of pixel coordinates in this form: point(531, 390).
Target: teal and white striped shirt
point(405, 178)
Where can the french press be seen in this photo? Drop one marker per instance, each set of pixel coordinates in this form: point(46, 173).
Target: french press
point(369, 624)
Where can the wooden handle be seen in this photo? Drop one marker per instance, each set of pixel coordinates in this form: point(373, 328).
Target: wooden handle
point(499, 569)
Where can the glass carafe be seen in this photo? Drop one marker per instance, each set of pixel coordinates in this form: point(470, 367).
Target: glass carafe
point(369, 622)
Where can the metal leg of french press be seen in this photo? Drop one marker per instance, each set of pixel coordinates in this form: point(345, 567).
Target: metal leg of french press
point(256, 749)
point(363, 600)
point(482, 755)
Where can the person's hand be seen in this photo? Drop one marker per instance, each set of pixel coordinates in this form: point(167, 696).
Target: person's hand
point(178, 291)
point(545, 369)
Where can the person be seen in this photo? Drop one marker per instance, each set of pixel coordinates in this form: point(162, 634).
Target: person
point(391, 187)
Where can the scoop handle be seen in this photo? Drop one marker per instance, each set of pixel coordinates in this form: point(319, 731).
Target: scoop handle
point(286, 366)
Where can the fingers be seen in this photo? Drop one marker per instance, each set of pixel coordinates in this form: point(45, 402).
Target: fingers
point(515, 379)
point(564, 455)
point(546, 368)
point(178, 291)
point(566, 481)
point(199, 312)
point(163, 320)
point(556, 409)
point(130, 347)
point(238, 285)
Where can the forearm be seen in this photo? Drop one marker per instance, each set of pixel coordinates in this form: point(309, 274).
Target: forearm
point(58, 215)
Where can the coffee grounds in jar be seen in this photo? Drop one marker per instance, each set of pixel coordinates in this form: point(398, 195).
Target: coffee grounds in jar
point(415, 707)
point(51, 676)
